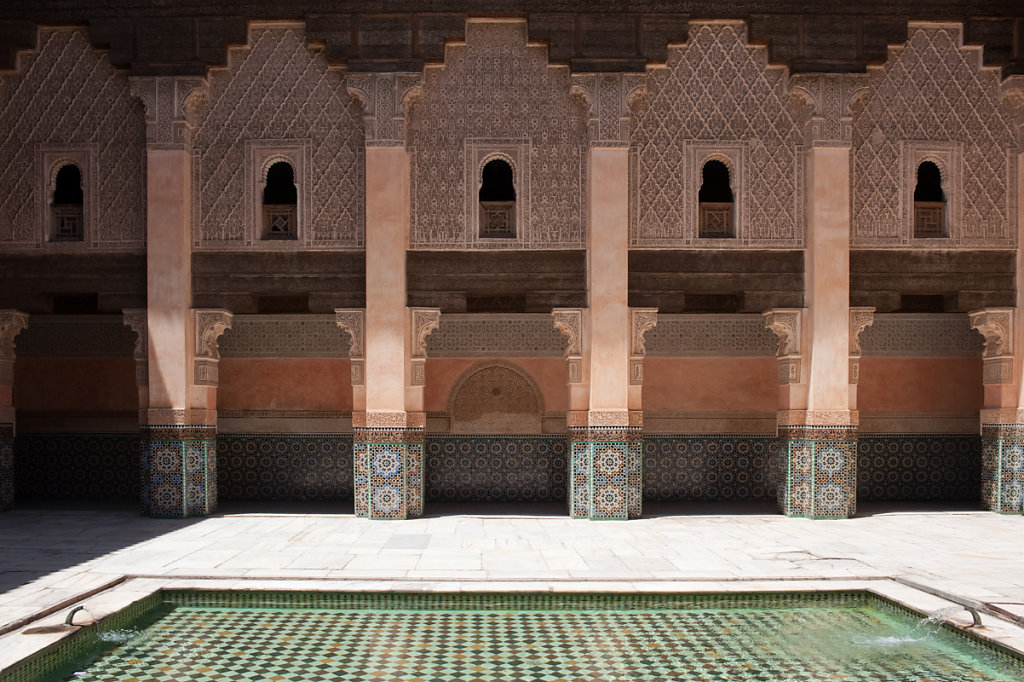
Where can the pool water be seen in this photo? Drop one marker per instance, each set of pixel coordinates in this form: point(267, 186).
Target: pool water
point(576, 641)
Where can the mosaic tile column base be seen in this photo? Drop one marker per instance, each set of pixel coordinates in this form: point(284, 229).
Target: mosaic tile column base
point(6, 466)
point(818, 472)
point(179, 471)
point(1002, 468)
point(388, 465)
point(605, 473)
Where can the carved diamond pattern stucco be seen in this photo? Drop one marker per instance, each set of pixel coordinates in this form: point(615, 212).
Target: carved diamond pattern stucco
point(716, 89)
point(274, 89)
point(493, 88)
point(65, 94)
point(933, 95)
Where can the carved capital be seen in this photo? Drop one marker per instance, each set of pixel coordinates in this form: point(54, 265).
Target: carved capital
point(422, 322)
point(569, 321)
point(641, 321)
point(12, 322)
point(173, 106)
point(823, 103)
point(136, 320)
point(996, 325)
point(210, 323)
point(606, 99)
point(785, 324)
point(351, 320)
point(860, 319)
point(385, 98)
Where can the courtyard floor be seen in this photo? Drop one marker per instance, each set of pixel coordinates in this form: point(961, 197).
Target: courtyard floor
point(50, 559)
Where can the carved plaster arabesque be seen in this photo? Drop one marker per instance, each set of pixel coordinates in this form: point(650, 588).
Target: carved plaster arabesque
point(785, 324)
point(641, 320)
point(921, 98)
point(353, 321)
point(50, 158)
point(172, 105)
point(12, 322)
point(260, 155)
point(210, 323)
point(692, 104)
point(422, 321)
point(136, 319)
point(290, 92)
point(497, 81)
point(829, 117)
point(817, 418)
point(93, 112)
point(860, 319)
point(996, 325)
point(569, 321)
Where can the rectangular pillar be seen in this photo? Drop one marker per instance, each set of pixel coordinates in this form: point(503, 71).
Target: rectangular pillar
point(606, 440)
point(387, 440)
point(819, 474)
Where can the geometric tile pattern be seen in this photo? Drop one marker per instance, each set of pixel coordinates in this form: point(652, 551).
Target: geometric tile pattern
point(6, 466)
point(605, 478)
point(77, 466)
point(919, 467)
point(710, 468)
point(496, 468)
point(201, 644)
point(1002, 468)
point(388, 470)
point(287, 467)
point(179, 471)
point(819, 476)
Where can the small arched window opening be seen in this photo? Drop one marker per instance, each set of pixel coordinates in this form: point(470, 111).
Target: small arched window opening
point(715, 202)
point(68, 205)
point(280, 203)
point(929, 202)
point(497, 200)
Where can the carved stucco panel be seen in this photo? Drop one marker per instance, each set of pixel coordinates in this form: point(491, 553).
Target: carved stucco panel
point(933, 96)
point(716, 88)
point(209, 324)
point(278, 88)
point(95, 109)
point(785, 323)
point(461, 115)
point(569, 321)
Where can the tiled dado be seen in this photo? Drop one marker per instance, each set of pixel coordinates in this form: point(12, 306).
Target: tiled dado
point(6, 466)
point(496, 468)
point(284, 467)
point(388, 472)
point(179, 470)
point(1002, 468)
point(605, 476)
point(710, 468)
point(818, 471)
point(77, 466)
point(918, 467)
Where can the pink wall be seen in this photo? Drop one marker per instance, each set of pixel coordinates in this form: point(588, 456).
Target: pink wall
point(75, 385)
point(548, 373)
point(284, 384)
point(950, 385)
point(710, 385)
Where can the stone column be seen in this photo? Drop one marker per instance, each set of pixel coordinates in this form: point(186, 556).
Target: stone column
point(1002, 419)
point(387, 438)
point(12, 323)
point(178, 428)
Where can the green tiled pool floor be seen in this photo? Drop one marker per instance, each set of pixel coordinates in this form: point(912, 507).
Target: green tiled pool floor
point(204, 644)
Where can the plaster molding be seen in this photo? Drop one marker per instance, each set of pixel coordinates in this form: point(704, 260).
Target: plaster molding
point(785, 324)
point(172, 106)
point(860, 319)
point(641, 320)
point(422, 322)
point(569, 321)
point(352, 321)
point(996, 325)
point(385, 98)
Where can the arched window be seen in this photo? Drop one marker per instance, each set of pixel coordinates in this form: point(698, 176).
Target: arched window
point(497, 200)
point(67, 205)
point(280, 203)
point(929, 202)
point(715, 201)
